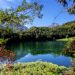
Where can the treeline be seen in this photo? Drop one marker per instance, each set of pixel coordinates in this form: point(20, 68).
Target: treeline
point(46, 33)
point(8, 34)
point(41, 33)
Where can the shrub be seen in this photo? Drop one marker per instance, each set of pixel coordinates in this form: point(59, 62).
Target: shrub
point(34, 68)
point(70, 48)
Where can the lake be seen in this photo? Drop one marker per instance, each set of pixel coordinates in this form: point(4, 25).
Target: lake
point(48, 51)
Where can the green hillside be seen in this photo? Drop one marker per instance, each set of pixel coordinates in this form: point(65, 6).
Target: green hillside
point(41, 33)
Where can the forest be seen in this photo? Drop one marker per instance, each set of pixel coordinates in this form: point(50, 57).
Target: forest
point(40, 33)
point(38, 50)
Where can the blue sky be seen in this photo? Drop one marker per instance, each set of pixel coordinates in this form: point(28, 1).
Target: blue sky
point(50, 10)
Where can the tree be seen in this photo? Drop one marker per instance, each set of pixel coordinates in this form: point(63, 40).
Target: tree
point(22, 14)
point(69, 5)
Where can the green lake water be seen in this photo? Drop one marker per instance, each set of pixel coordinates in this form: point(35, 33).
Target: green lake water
point(48, 51)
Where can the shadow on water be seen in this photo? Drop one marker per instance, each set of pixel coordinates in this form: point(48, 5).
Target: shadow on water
point(49, 51)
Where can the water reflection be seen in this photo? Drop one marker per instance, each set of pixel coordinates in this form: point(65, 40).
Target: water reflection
point(44, 51)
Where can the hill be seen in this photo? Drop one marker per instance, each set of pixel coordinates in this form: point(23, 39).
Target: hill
point(50, 33)
point(40, 33)
point(69, 23)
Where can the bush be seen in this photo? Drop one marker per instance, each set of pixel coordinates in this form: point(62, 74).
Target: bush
point(70, 48)
point(3, 41)
point(34, 68)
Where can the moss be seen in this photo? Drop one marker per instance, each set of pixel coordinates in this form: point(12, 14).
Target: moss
point(34, 68)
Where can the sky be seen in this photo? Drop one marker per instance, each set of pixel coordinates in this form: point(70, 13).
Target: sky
point(50, 10)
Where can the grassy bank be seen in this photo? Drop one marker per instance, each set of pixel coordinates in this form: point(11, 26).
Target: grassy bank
point(66, 39)
point(33, 68)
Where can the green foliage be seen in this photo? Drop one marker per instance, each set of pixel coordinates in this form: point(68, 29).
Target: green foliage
point(69, 5)
point(8, 34)
point(34, 68)
point(22, 14)
point(70, 48)
point(41, 33)
point(45, 33)
point(3, 41)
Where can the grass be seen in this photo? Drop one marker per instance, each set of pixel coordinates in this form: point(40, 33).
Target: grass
point(33, 68)
point(66, 39)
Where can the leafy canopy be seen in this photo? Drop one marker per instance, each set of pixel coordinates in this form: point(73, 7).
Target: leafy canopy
point(69, 4)
point(24, 13)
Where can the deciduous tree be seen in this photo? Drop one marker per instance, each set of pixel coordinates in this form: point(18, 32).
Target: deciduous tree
point(69, 5)
point(24, 13)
